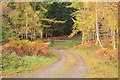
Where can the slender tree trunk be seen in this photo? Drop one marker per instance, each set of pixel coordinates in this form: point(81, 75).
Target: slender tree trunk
point(35, 6)
point(82, 37)
point(97, 28)
point(46, 34)
point(88, 39)
point(83, 28)
point(93, 36)
point(34, 26)
point(41, 34)
point(23, 36)
point(26, 22)
point(51, 34)
point(113, 37)
point(34, 34)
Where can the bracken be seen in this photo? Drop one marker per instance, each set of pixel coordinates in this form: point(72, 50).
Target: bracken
point(25, 47)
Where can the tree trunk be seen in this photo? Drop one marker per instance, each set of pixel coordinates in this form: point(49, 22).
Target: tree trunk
point(23, 36)
point(82, 37)
point(34, 34)
point(83, 28)
point(46, 34)
point(41, 34)
point(1, 23)
point(51, 34)
point(97, 28)
point(26, 22)
point(88, 39)
point(113, 37)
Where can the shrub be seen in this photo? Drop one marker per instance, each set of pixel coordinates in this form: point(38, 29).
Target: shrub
point(25, 47)
point(108, 54)
point(11, 61)
point(56, 38)
point(17, 64)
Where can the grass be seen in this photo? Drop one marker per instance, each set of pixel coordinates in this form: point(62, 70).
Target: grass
point(75, 41)
point(68, 64)
point(97, 67)
point(33, 64)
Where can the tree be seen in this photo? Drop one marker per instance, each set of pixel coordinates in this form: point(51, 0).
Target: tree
point(60, 12)
point(109, 20)
point(84, 21)
point(97, 28)
point(94, 21)
point(28, 20)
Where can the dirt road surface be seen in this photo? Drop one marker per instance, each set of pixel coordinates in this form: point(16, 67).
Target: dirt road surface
point(63, 68)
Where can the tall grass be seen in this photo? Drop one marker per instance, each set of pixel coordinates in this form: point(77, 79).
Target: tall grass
point(97, 67)
point(18, 66)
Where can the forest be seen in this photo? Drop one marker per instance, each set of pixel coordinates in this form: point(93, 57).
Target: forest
point(36, 33)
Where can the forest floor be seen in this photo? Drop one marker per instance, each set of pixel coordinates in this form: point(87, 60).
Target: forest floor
point(69, 65)
point(72, 62)
point(76, 62)
point(97, 67)
point(34, 64)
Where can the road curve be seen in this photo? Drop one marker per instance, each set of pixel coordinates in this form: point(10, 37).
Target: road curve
point(79, 70)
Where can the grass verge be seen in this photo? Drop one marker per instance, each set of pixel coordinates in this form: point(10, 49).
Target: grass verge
point(32, 64)
point(97, 67)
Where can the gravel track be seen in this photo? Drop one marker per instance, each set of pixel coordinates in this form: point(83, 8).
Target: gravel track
point(55, 70)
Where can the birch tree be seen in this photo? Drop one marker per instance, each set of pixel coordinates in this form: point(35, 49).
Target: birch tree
point(97, 28)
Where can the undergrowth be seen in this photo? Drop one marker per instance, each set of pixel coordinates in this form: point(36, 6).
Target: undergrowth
point(14, 65)
point(97, 66)
point(20, 57)
point(25, 47)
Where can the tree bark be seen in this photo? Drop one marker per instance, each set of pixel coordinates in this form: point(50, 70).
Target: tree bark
point(113, 37)
point(26, 22)
point(83, 28)
point(34, 34)
point(82, 37)
point(97, 28)
point(41, 34)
